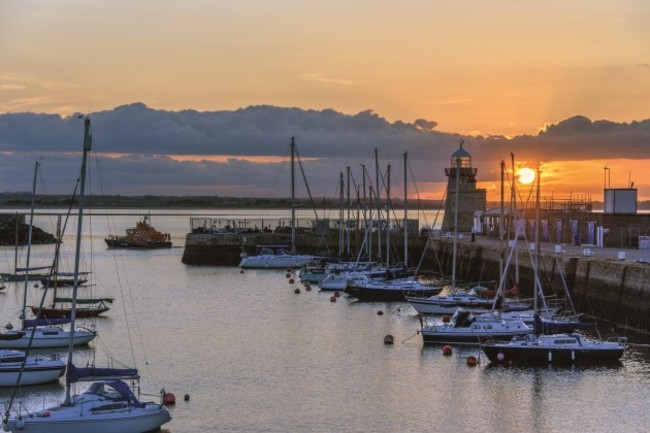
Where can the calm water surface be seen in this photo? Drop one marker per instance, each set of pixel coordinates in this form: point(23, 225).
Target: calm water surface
point(255, 357)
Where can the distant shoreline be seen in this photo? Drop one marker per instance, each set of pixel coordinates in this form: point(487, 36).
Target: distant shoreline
point(22, 200)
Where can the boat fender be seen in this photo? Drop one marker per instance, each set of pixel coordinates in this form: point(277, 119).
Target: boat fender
point(20, 424)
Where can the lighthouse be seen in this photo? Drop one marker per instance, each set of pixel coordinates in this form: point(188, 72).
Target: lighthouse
point(461, 186)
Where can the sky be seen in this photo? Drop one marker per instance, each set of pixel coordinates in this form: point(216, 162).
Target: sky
point(508, 69)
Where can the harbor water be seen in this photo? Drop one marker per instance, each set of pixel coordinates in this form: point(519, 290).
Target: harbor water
point(254, 356)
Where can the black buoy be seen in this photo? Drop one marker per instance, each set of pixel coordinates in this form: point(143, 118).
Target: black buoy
point(380, 313)
point(388, 339)
point(290, 280)
point(297, 291)
point(333, 299)
point(187, 397)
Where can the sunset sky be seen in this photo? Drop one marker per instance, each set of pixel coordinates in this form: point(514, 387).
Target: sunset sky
point(501, 67)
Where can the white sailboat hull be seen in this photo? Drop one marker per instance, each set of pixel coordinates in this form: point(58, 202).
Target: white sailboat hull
point(277, 261)
point(36, 370)
point(68, 420)
point(45, 338)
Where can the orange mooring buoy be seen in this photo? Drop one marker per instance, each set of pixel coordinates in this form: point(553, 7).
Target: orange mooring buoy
point(447, 350)
point(169, 399)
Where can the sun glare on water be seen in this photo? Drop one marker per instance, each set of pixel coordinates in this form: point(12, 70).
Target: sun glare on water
point(526, 175)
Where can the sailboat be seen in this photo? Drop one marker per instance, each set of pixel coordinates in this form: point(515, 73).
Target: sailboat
point(61, 306)
point(552, 348)
point(41, 332)
point(394, 282)
point(278, 257)
point(109, 405)
point(55, 278)
point(16, 368)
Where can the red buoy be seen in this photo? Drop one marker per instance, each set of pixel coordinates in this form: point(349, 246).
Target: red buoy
point(169, 399)
point(337, 294)
point(333, 299)
point(290, 280)
point(447, 350)
point(446, 319)
point(472, 361)
point(288, 275)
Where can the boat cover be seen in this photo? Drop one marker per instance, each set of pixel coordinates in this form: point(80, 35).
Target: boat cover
point(32, 323)
point(85, 301)
point(75, 374)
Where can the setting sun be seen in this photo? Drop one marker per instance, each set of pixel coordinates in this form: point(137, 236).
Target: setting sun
point(526, 175)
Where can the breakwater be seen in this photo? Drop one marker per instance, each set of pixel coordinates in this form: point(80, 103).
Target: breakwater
point(225, 249)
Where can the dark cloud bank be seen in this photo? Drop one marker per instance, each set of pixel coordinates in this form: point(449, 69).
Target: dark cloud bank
point(328, 141)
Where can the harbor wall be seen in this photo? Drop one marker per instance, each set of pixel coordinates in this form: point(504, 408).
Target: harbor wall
point(225, 249)
point(605, 288)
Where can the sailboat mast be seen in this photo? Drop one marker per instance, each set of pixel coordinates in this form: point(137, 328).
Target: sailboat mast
point(387, 215)
point(348, 223)
point(514, 220)
point(341, 238)
point(29, 242)
point(73, 314)
point(378, 202)
point(406, 246)
point(501, 226)
point(536, 268)
point(293, 197)
point(16, 245)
